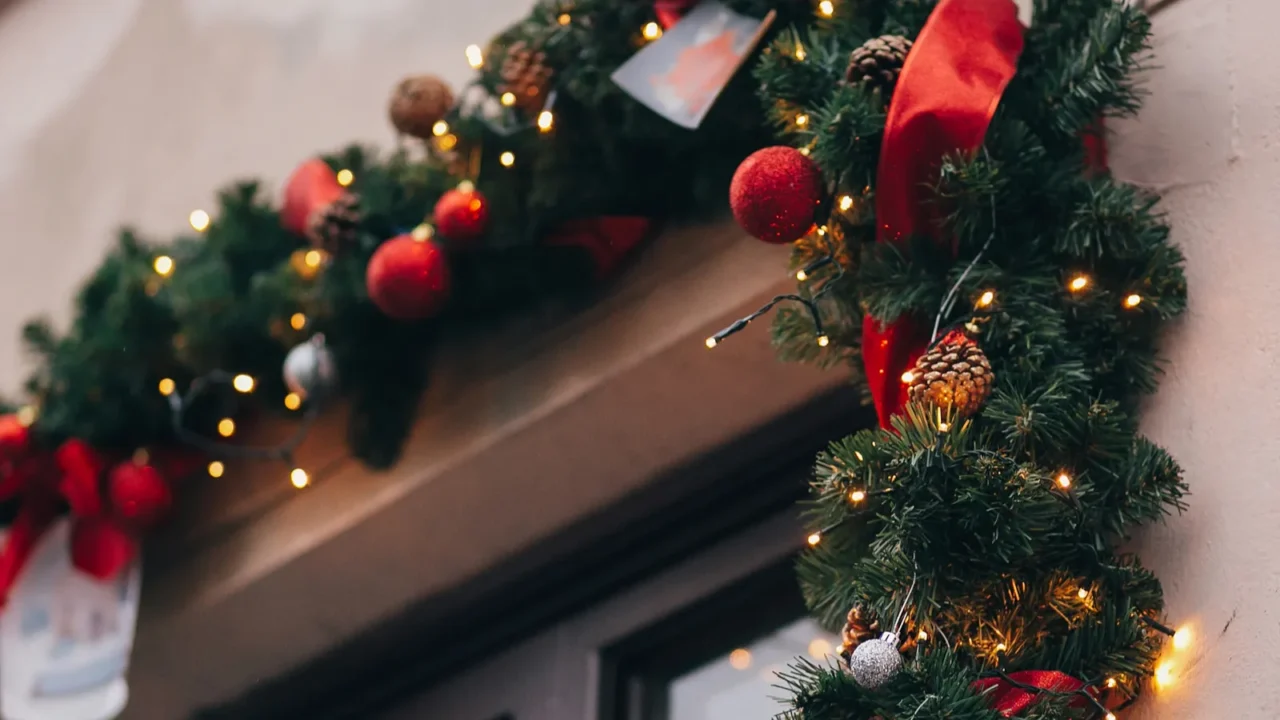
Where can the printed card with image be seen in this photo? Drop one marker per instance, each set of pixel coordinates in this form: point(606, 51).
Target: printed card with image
point(681, 74)
point(65, 638)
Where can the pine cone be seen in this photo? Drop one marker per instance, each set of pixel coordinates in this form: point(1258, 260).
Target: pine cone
point(953, 375)
point(336, 225)
point(858, 628)
point(878, 63)
point(418, 103)
point(526, 75)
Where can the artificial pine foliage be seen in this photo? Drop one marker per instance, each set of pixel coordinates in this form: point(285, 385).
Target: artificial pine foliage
point(234, 288)
point(1005, 522)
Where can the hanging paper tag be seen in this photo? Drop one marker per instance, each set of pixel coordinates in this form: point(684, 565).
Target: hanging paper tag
point(681, 74)
point(65, 638)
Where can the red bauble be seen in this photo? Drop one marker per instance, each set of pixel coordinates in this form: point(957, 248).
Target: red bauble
point(15, 438)
point(138, 493)
point(775, 193)
point(462, 214)
point(408, 279)
point(312, 187)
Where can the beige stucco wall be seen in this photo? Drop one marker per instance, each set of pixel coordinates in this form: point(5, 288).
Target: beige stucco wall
point(138, 110)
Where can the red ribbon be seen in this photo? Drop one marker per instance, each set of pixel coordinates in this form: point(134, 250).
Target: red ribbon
point(100, 546)
point(1009, 699)
point(312, 187)
point(608, 239)
point(949, 89)
point(669, 12)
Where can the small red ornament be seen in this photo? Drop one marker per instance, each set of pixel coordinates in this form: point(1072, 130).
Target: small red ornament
point(138, 493)
point(408, 279)
point(462, 214)
point(15, 439)
point(775, 193)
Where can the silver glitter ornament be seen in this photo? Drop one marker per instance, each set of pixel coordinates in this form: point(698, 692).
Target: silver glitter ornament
point(309, 368)
point(876, 662)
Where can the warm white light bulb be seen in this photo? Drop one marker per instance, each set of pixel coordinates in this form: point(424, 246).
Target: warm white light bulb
point(299, 478)
point(986, 298)
point(545, 120)
point(167, 386)
point(199, 220)
point(293, 401)
point(1133, 301)
point(814, 539)
point(800, 53)
point(1083, 593)
point(243, 383)
point(1164, 675)
point(846, 202)
point(226, 427)
point(802, 120)
point(216, 469)
point(163, 265)
point(1182, 638)
point(826, 8)
point(475, 57)
point(507, 159)
point(440, 129)
point(908, 376)
point(652, 31)
point(802, 276)
point(1078, 283)
point(857, 496)
point(823, 341)
point(1064, 481)
point(712, 342)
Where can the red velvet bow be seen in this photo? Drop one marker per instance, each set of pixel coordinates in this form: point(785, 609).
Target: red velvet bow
point(608, 239)
point(1009, 699)
point(100, 546)
point(948, 91)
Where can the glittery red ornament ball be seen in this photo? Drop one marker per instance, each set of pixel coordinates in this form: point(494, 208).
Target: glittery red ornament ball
point(139, 493)
point(775, 193)
point(462, 214)
point(408, 279)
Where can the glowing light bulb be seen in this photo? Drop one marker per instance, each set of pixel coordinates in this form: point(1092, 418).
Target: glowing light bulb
point(651, 31)
point(1164, 675)
point(802, 120)
point(564, 19)
point(1001, 647)
point(740, 659)
point(1110, 716)
point(822, 230)
point(986, 298)
point(944, 426)
point(1064, 481)
point(216, 469)
point(857, 455)
point(1112, 683)
point(814, 539)
point(1182, 638)
point(800, 53)
point(908, 376)
point(823, 341)
point(545, 120)
point(826, 8)
point(507, 159)
point(1133, 301)
point(475, 57)
point(423, 233)
point(297, 321)
point(447, 142)
point(1083, 593)
point(293, 401)
point(346, 177)
point(1078, 283)
point(846, 202)
point(857, 496)
point(923, 636)
point(163, 265)
point(226, 427)
point(313, 259)
point(712, 342)
point(167, 386)
point(242, 383)
point(199, 220)
point(440, 129)
point(802, 276)
point(805, 151)
point(507, 99)
point(299, 478)
point(819, 648)
point(27, 415)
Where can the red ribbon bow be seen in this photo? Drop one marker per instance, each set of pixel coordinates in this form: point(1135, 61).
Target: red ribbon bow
point(1010, 699)
point(608, 239)
point(100, 545)
point(948, 91)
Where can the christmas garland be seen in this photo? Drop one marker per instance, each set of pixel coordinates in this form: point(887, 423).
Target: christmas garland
point(1001, 295)
point(529, 187)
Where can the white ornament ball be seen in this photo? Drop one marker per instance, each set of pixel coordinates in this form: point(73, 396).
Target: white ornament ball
point(309, 368)
point(876, 662)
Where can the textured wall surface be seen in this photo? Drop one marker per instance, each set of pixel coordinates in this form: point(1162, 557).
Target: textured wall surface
point(1209, 140)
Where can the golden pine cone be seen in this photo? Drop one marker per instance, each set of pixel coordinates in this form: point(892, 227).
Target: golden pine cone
point(858, 628)
point(527, 76)
point(418, 103)
point(953, 375)
point(877, 64)
point(336, 225)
